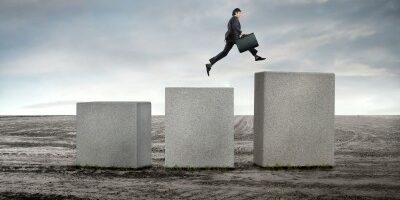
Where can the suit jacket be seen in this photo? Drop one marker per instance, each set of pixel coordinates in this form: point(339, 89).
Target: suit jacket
point(234, 29)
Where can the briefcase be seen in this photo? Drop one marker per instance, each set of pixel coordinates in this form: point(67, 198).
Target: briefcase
point(246, 42)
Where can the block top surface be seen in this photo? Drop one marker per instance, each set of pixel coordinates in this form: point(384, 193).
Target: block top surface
point(294, 73)
point(114, 102)
point(194, 88)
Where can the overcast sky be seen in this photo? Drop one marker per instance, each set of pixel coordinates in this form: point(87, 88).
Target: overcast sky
point(56, 53)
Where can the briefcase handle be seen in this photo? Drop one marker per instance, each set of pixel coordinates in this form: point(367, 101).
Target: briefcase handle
point(245, 35)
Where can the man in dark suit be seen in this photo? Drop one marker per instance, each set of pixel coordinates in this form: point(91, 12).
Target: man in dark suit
point(231, 36)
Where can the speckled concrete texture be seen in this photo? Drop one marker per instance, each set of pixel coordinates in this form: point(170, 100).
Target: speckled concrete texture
point(199, 127)
point(113, 134)
point(294, 119)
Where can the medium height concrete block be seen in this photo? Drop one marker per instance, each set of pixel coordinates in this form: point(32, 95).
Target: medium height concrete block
point(114, 134)
point(199, 127)
point(294, 119)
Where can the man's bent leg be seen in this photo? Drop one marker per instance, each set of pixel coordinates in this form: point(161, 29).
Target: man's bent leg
point(227, 48)
point(253, 51)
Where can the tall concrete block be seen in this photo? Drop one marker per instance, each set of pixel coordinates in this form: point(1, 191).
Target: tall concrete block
point(199, 127)
point(114, 134)
point(294, 119)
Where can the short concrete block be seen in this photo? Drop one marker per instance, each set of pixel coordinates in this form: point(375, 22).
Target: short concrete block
point(199, 127)
point(114, 134)
point(294, 119)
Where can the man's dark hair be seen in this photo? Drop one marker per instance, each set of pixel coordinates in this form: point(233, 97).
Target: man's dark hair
point(235, 11)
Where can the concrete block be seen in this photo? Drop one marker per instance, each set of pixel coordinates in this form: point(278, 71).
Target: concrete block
point(114, 134)
point(199, 127)
point(294, 119)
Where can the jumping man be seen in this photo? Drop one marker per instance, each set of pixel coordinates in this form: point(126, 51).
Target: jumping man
point(231, 36)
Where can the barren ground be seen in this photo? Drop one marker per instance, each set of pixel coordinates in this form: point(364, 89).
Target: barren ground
point(37, 155)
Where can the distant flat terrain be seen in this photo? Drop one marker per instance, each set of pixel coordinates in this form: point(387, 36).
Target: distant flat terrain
point(37, 155)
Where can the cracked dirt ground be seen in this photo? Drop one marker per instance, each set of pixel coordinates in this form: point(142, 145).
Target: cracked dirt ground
point(37, 155)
